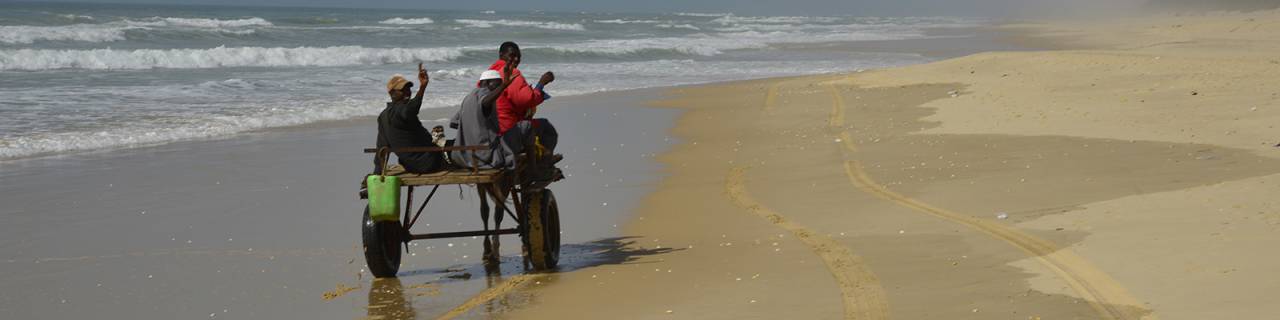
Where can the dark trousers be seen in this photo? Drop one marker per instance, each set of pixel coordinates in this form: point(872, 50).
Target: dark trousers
point(522, 135)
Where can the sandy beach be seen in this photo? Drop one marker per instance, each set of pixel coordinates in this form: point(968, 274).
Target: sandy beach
point(1130, 177)
point(1124, 169)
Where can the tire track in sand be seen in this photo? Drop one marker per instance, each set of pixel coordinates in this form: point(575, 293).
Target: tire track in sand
point(511, 284)
point(860, 290)
point(1103, 293)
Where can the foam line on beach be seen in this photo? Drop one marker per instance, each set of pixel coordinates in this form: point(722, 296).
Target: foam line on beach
point(1097, 288)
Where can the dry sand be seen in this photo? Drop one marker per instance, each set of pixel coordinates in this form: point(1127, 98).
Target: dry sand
point(1132, 179)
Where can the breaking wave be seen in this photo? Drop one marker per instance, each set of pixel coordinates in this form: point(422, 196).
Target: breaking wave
point(199, 22)
point(219, 57)
point(115, 31)
point(78, 32)
point(205, 127)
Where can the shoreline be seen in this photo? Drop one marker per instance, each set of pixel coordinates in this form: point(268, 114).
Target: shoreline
point(937, 43)
point(195, 204)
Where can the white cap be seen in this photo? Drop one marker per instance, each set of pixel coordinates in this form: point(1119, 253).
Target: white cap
point(490, 74)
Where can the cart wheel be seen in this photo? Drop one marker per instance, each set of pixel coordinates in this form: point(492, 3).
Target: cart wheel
point(381, 246)
point(542, 234)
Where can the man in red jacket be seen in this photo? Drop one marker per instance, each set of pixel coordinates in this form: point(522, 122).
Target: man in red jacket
point(518, 103)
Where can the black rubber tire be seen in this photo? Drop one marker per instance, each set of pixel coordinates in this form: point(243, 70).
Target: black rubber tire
point(382, 243)
point(542, 234)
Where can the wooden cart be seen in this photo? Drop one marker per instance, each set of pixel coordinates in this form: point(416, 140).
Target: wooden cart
point(513, 192)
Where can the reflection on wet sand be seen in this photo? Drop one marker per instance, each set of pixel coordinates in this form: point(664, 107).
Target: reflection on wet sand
point(503, 281)
point(387, 300)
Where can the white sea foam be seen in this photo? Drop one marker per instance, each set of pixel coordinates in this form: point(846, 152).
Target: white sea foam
point(677, 26)
point(77, 32)
point(702, 45)
point(621, 21)
point(401, 27)
point(200, 22)
point(219, 57)
point(732, 19)
point(398, 20)
point(699, 14)
point(115, 31)
point(521, 23)
point(456, 74)
point(282, 114)
point(715, 44)
point(211, 126)
point(76, 17)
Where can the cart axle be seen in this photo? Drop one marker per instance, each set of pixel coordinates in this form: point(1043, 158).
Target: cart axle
point(463, 234)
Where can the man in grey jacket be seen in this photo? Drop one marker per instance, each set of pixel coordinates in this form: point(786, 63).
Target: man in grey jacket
point(477, 125)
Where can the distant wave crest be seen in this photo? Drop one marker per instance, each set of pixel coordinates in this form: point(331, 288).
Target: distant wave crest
point(398, 20)
point(219, 57)
point(200, 22)
point(78, 32)
point(700, 14)
point(521, 23)
point(732, 19)
point(76, 17)
point(677, 26)
point(622, 21)
point(115, 31)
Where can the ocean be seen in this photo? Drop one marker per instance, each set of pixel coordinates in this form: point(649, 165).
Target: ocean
point(80, 77)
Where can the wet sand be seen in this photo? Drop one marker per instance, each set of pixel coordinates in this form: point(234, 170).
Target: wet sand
point(265, 225)
point(1120, 182)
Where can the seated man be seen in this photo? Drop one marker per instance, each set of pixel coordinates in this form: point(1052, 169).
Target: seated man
point(477, 125)
point(518, 103)
point(399, 127)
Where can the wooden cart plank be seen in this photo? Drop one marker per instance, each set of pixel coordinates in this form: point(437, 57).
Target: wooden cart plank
point(459, 176)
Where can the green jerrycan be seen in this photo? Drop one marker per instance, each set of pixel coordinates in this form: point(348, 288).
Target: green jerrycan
point(384, 197)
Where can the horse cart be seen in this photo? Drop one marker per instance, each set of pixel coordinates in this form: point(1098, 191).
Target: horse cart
point(519, 193)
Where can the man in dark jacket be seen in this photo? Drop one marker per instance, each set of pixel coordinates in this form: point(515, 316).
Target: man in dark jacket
point(399, 127)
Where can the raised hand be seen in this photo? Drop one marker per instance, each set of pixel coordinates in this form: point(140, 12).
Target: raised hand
point(423, 78)
point(547, 78)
